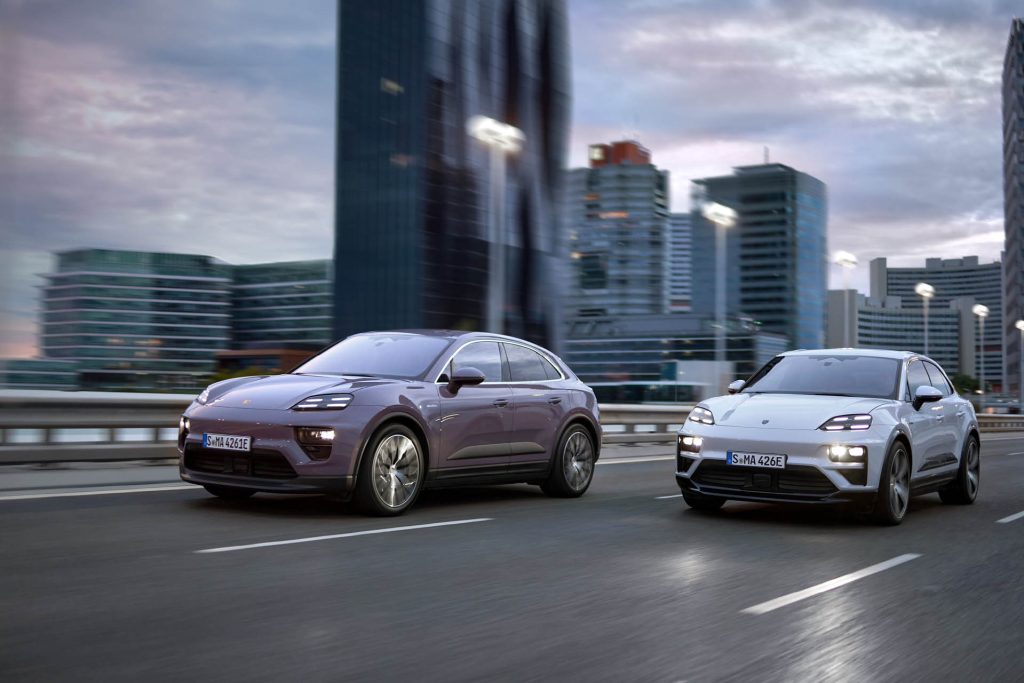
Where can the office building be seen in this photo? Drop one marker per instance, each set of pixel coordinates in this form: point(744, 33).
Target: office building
point(679, 264)
point(617, 214)
point(135, 320)
point(285, 304)
point(953, 279)
point(888, 323)
point(38, 373)
point(412, 187)
point(658, 358)
point(1013, 200)
point(776, 253)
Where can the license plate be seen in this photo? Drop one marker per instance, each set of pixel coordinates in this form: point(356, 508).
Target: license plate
point(777, 462)
point(227, 442)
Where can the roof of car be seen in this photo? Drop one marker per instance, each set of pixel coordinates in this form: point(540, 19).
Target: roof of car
point(876, 353)
point(453, 334)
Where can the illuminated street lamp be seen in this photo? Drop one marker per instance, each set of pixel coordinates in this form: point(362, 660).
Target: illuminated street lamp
point(847, 262)
point(926, 292)
point(1020, 399)
point(981, 311)
point(724, 218)
point(502, 139)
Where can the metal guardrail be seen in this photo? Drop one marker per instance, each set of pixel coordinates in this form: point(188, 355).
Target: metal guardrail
point(56, 426)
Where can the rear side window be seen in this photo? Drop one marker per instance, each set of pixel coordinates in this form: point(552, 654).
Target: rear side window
point(917, 376)
point(484, 356)
point(938, 380)
point(526, 365)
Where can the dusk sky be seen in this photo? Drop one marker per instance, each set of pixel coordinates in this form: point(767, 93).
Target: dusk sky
point(207, 127)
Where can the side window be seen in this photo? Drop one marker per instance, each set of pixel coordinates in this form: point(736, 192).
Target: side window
point(484, 356)
point(917, 376)
point(938, 380)
point(525, 365)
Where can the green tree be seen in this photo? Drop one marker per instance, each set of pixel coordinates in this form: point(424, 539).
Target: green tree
point(964, 384)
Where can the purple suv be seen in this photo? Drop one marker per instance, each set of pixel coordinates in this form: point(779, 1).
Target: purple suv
point(380, 416)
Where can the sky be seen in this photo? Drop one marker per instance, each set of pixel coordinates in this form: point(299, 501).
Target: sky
point(207, 126)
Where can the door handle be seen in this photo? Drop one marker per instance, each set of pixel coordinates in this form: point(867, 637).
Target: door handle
point(501, 403)
point(554, 400)
point(959, 413)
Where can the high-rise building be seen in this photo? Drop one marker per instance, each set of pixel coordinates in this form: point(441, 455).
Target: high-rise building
point(412, 187)
point(1013, 200)
point(776, 253)
point(952, 279)
point(285, 304)
point(135, 319)
point(617, 213)
point(679, 265)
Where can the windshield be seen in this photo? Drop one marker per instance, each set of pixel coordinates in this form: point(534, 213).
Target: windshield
point(392, 355)
point(828, 375)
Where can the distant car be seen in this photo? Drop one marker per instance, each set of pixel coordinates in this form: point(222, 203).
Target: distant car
point(858, 427)
point(380, 416)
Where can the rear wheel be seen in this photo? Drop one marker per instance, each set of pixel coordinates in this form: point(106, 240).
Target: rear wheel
point(391, 473)
point(573, 469)
point(699, 502)
point(228, 492)
point(964, 488)
point(894, 487)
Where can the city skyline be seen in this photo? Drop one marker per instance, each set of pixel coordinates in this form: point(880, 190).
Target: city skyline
point(169, 136)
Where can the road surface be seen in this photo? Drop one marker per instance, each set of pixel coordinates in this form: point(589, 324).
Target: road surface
point(123, 574)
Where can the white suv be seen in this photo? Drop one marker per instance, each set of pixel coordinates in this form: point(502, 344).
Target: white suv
point(859, 427)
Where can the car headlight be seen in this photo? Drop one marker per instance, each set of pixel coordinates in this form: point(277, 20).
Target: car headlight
point(202, 398)
point(324, 402)
point(690, 444)
point(702, 415)
point(842, 453)
point(847, 423)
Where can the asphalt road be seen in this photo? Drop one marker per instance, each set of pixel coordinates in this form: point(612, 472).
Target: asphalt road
point(620, 585)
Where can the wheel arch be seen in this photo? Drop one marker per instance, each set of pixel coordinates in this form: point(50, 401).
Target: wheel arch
point(401, 418)
point(581, 419)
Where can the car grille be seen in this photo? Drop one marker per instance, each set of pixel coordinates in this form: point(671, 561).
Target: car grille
point(259, 463)
point(795, 481)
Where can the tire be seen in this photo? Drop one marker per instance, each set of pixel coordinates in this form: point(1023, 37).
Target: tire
point(228, 492)
point(893, 497)
point(703, 503)
point(964, 489)
point(391, 472)
point(573, 466)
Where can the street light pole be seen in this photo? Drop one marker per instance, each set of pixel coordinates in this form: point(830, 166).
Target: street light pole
point(1020, 398)
point(501, 139)
point(847, 262)
point(724, 218)
point(926, 292)
point(981, 311)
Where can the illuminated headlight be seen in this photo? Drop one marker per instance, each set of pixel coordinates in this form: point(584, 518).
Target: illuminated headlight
point(702, 415)
point(183, 428)
point(847, 423)
point(202, 398)
point(839, 453)
point(690, 444)
point(316, 441)
point(324, 402)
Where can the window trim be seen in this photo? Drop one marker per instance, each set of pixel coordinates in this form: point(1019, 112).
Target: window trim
point(443, 370)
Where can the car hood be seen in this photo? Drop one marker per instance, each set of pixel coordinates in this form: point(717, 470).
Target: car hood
point(785, 411)
point(280, 392)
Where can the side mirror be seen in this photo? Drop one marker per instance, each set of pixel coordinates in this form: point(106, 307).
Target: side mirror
point(464, 377)
point(926, 394)
point(734, 387)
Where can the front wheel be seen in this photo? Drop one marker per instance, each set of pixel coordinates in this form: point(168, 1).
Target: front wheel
point(964, 489)
point(573, 469)
point(228, 492)
point(391, 473)
point(894, 487)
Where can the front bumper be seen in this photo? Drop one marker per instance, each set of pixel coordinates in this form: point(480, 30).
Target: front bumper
point(809, 476)
point(311, 484)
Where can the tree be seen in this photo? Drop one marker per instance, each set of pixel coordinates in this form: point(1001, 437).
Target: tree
point(964, 384)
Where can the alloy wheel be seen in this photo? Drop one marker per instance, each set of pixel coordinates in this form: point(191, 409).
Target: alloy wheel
point(396, 470)
point(973, 469)
point(578, 460)
point(899, 483)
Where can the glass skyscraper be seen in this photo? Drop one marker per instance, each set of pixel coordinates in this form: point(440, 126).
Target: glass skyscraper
point(1013, 199)
point(411, 246)
point(286, 304)
point(777, 254)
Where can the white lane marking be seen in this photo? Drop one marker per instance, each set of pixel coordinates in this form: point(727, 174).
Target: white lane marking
point(103, 492)
point(764, 607)
point(1011, 518)
point(626, 461)
point(677, 495)
point(351, 534)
